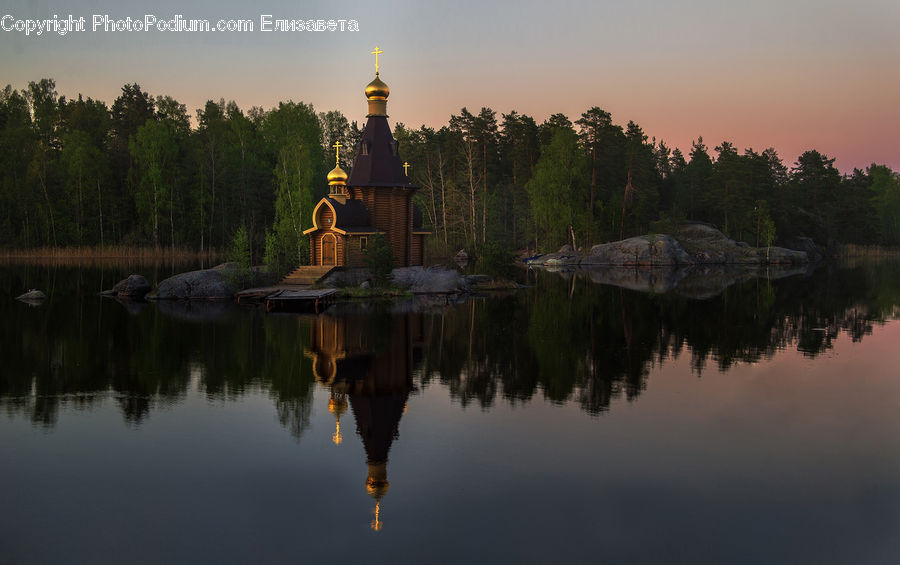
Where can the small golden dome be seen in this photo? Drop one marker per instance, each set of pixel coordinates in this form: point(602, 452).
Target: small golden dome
point(337, 176)
point(377, 90)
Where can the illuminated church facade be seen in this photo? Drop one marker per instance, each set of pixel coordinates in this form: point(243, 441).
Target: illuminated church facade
point(376, 198)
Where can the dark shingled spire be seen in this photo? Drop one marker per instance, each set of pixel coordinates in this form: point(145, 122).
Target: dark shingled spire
point(377, 160)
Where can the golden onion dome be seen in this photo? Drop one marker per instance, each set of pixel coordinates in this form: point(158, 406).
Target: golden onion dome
point(377, 90)
point(337, 176)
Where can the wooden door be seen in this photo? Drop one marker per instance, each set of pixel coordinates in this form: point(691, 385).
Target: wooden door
point(329, 249)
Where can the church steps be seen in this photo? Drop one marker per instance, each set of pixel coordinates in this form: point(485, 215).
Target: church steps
point(306, 275)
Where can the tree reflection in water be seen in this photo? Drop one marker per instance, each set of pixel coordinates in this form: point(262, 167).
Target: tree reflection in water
point(569, 338)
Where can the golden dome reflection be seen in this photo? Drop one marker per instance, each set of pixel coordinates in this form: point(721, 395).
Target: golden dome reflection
point(337, 405)
point(377, 484)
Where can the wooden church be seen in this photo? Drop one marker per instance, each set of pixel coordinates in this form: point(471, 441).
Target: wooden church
point(377, 197)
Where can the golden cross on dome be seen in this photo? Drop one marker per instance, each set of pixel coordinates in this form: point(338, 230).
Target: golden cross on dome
point(406, 167)
point(377, 52)
point(337, 153)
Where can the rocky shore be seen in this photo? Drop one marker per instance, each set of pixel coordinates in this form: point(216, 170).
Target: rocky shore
point(697, 260)
point(693, 244)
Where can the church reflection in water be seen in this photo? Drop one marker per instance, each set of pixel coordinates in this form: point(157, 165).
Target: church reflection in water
point(368, 362)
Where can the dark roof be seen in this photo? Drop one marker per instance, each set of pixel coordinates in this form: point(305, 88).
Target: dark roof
point(381, 166)
point(350, 215)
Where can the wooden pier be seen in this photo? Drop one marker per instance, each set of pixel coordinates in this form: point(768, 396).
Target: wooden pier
point(293, 293)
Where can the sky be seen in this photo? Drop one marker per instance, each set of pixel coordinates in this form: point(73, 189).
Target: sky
point(791, 74)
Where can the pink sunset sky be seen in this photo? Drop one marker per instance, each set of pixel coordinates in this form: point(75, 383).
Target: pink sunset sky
point(793, 75)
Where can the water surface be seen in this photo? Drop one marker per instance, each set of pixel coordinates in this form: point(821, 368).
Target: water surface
point(569, 421)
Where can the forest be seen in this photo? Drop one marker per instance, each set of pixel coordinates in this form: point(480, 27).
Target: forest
point(144, 172)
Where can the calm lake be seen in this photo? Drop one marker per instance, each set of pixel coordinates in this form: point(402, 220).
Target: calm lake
point(572, 421)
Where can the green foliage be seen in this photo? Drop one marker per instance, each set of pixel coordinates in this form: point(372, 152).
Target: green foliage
point(665, 226)
point(299, 167)
point(698, 173)
point(885, 187)
point(764, 225)
point(379, 258)
point(240, 248)
point(276, 258)
point(153, 150)
point(240, 253)
point(558, 190)
point(496, 260)
point(84, 165)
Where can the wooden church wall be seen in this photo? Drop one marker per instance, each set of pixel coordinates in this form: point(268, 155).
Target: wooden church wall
point(416, 254)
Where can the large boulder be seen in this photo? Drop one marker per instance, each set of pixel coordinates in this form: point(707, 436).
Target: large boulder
point(135, 286)
point(692, 244)
point(707, 245)
point(347, 277)
point(781, 255)
point(565, 257)
point(644, 251)
point(207, 284)
point(32, 297)
point(433, 280)
point(807, 245)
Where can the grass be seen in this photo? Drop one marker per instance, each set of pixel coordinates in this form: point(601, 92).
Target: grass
point(376, 292)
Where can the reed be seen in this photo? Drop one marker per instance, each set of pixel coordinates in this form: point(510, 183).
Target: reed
point(872, 251)
point(109, 254)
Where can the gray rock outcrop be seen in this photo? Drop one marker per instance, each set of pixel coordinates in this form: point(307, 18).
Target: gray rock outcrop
point(806, 244)
point(645, 250)
point(433, 280)
point(707, 245)
point(692, 244)
point(348, 276)
point(135, 286)
point(566, 256)
point(33, 297)
point(207, 284)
